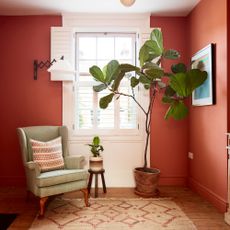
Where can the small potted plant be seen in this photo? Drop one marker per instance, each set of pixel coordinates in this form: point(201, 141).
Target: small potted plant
point(96, 160)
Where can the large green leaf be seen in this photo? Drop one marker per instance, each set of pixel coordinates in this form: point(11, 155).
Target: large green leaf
point(96, 72)
point(185, 83)
point(128, 68)
point(99, 88)
point(152, 74)
point(179, 68)
point(134, 82)
point(177, 110)
point(117, 80)
point(151, 65)
point(149, 51)
point(178, 82)
point(111, 70)
point(143, 78)
point(171, 54)
point(196, 78)
point(104, 101)
point(154, 48)
point(145, 55)
point(156, 35)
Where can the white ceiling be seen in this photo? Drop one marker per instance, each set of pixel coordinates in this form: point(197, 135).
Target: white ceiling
point(41, 7)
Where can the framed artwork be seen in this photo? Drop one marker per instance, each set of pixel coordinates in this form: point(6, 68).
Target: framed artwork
point(203, 60)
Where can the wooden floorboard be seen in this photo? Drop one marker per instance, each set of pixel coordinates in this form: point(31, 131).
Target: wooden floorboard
point(204, 215)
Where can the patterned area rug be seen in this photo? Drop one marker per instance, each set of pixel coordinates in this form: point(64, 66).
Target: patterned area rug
point(114, 214)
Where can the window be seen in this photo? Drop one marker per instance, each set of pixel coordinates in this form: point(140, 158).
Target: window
point(98, 49)
point(123, 146)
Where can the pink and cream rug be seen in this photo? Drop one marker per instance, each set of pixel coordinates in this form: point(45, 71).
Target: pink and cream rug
point(114, 214)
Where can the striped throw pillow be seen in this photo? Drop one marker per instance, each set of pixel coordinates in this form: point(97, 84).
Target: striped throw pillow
point(48, 154)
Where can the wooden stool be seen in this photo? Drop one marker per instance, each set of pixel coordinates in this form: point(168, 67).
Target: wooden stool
point(96, 181)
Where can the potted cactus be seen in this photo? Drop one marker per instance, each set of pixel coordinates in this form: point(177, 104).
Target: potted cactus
point(174, 86)
point(96, 160)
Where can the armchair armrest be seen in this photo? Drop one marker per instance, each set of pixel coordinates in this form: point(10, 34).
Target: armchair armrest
point(32, 166)
point(74, 162)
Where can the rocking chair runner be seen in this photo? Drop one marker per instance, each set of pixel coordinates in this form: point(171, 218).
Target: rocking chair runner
point(44, 184)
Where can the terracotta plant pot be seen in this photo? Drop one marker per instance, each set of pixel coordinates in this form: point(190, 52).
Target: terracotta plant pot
point(146, 181)
point(96, 163)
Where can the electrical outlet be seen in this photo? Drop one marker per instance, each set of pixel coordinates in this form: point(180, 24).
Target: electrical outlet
point(190, 155)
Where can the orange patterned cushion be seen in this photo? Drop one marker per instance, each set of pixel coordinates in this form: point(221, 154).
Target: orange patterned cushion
point(48, 154)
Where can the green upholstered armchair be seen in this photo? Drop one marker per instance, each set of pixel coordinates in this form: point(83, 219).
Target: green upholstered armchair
point(44, 184)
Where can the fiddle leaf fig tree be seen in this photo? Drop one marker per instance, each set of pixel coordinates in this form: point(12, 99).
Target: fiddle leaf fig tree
point(175, 86)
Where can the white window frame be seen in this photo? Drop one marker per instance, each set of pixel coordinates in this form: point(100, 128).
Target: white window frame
point(116, 130)
point(72, 23)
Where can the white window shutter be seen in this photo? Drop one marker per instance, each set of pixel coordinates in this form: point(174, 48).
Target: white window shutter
point(62, 44)
point(145, 35)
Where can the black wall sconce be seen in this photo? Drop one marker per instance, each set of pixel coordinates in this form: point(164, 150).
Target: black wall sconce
point(41, 64)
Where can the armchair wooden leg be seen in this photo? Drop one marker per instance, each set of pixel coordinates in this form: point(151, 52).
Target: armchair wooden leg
point(86, 196)
point(42, 206)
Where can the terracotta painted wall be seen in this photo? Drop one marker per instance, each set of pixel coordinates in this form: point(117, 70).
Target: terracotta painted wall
point(169, 139)
point(27, 102)
point(228, 58)
point(24, 101)
point(207, 23)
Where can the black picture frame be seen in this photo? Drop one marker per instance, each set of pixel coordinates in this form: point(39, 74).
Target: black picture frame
point(204, 60)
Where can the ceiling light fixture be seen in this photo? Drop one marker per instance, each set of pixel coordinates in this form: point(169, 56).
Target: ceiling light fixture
point(127, 2)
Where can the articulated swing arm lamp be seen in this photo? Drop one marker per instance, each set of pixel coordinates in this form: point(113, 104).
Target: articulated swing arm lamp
point(43, 64)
